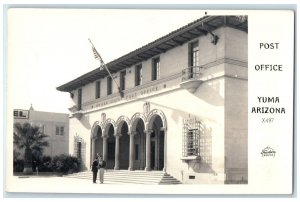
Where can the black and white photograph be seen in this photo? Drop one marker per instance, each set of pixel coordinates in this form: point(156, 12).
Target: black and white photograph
point(147, 101)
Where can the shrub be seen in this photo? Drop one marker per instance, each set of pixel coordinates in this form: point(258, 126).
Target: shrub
point(18, 165)
point(61, 164)
point(66, 164)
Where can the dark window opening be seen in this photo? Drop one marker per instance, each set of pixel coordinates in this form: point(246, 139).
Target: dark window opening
point(155, 69)
point(79, 101)
point(109, 86)
point(97, 89)
point(193, 58)
point(111, 151)
point(79, 150)
point(122, 80)
point(138, 75)
point(136, 152)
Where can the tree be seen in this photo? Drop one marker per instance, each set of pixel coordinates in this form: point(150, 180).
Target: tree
point(30, 137)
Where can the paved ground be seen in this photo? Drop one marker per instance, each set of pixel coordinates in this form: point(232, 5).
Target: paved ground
point(46, 184)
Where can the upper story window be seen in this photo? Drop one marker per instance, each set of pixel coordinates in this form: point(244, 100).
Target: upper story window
point(194, 54)
point(122, 80)
point(155, 69)
point(193, 59)
point(97, 90)
point(79, 100)
point(109, 85)
point(60, 130)
point(138, 75)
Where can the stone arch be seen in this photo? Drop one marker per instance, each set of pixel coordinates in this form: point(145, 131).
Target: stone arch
point(134, 121)
point(107, 125)
point(119, 123)
point(96, 142)
point(94, 129)
point(151, 117)
point(122, 143)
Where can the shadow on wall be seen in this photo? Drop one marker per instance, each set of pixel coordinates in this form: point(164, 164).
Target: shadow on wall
point(207, 96)
point(209, 92)
point(86, 122)
point(203, 164)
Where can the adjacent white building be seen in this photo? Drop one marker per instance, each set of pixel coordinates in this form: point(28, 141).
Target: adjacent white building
point(55, 125)
point(181, 108)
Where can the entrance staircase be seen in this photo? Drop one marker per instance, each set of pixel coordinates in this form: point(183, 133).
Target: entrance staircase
point(129, 177)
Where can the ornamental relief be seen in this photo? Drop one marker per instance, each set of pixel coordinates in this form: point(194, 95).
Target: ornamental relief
point(122, 118)
point(160, 114)
point(93, 133)
point(137, 116)
point(146, 108)
point(109, 121)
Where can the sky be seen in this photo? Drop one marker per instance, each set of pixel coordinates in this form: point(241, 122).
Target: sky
point(49, 47)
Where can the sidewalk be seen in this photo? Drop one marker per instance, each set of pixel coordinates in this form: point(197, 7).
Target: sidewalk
point(54, 184)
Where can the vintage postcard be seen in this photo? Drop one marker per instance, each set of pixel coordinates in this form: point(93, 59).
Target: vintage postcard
point(139, 101)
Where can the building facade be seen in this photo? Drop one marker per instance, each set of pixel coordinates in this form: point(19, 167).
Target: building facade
point(180, 105)
point(55, 125)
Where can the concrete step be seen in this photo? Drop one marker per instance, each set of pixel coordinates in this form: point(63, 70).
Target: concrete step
point(135, 177)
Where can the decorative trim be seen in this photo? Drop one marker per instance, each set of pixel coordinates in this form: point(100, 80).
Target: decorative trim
point(93, 134)
point(120, 120)
point(158, 113)
point(114, 99)
point(225, 60)
point(133, 121)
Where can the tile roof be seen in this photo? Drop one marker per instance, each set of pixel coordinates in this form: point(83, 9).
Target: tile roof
point(199, 27)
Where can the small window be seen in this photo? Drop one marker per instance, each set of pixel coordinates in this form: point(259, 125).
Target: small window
point(155, 69)
point(192, 177)
point(138, 75)
point(62, 131)
point(57, 130)
point(109, 85)
point(97, 89)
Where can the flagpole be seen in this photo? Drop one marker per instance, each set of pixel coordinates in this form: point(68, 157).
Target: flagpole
point(105, 66)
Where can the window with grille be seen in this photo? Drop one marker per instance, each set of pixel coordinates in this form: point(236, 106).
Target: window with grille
point(191, 138)
point(79, 148)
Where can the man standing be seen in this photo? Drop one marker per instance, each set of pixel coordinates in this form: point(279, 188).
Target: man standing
point(101, 165)
point(95, 169)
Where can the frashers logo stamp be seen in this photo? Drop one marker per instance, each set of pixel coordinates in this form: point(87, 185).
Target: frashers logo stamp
point(268, 151)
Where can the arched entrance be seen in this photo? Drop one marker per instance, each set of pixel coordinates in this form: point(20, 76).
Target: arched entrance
point(123, 146)
point(157, 143)
point(110, 148)
point(139, 144)
point(96, 142)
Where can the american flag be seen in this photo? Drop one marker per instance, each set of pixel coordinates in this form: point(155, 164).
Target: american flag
point(103, 65)
point(97, 56)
